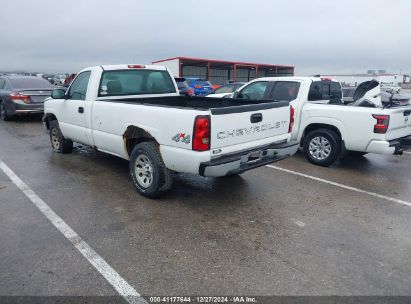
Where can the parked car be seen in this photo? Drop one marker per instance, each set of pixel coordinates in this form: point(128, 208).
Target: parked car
point(200, 86)
point(226, 89)
point(327, 128)
point(136, 112)
point(22, 95)
point(183, 87)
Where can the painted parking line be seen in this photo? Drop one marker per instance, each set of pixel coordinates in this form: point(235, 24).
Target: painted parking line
point(407, 152)
point(392, 199)
point(111, 276)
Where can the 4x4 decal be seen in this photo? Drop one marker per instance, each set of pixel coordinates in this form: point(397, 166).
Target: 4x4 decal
point(182, 137)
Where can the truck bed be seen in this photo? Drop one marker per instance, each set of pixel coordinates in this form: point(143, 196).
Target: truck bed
point(202, 103)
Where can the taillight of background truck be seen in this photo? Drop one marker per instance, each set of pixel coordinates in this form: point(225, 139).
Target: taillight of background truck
point(292, 113)
point(381, 126)
point(201, 134)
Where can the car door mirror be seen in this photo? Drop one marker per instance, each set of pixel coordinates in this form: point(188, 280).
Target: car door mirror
point(58, 93)
point(235, 94)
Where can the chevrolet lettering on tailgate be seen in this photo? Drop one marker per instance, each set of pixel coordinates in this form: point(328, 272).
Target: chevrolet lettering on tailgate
point(251, 130)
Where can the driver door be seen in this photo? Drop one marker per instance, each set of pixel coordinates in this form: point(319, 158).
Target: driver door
point(72, 121)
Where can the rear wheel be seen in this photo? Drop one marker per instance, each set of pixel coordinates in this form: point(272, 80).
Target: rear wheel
point(3, 113)
point(59, 143)
point(322, 147)
point(148, 172)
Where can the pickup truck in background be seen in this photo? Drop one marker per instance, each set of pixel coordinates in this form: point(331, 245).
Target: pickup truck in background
point(135, 112)
point(326, 127)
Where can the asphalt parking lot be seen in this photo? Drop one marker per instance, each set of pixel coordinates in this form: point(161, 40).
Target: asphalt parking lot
point(267, 232)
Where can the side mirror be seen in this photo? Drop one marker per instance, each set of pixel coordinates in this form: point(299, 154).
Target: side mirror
point(235, 94)
point(58, 93)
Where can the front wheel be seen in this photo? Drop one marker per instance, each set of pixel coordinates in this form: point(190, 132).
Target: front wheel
point(322, 147)
point(148, 172)
point(58, 142)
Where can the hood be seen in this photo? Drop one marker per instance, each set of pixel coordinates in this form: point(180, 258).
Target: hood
point(368, 94)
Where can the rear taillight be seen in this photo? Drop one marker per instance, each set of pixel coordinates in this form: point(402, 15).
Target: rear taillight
point(201, 134)
point(381, 126)
point(292, 113)
point(19, 97)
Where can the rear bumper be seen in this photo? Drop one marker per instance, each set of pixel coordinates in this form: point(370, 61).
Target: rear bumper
point(27, 108)
point(396, 146)
point(401, 144)
point(247, 160)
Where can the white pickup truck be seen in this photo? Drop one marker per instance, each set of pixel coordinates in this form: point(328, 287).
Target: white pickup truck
point(135, 112)
point(326, 127)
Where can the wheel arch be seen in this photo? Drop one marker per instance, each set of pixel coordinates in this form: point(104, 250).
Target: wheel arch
point(48, 118)
point(135, 135)
point(314, 126)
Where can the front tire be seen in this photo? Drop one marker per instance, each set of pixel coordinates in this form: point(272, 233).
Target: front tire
point(3, 113)
point(322, 147)
point(58, 142)
point(148, 172)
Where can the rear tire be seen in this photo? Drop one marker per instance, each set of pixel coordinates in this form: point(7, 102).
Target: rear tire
point(58, 142)
point(322, 147)
point(147, 170)
point(3, 113)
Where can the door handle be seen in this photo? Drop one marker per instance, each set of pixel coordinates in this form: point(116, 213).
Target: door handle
point(257, 117)
point(80, 109)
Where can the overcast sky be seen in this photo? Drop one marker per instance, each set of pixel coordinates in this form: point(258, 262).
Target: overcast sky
point(317, 36)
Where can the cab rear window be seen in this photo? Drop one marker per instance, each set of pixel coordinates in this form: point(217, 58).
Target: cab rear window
point(135, 82)
point(324, 90)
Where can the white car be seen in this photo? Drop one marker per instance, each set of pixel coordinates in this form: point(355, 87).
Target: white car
point(326, 127)
point(135, 112)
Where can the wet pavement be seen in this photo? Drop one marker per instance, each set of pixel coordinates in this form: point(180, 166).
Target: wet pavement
point(266, 232)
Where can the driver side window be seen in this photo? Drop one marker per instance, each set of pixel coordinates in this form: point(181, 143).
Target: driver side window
point(78, 88)
point(255, 90)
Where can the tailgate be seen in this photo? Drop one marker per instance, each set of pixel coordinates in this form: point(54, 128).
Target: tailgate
point(242, 124)
point(400, 123)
